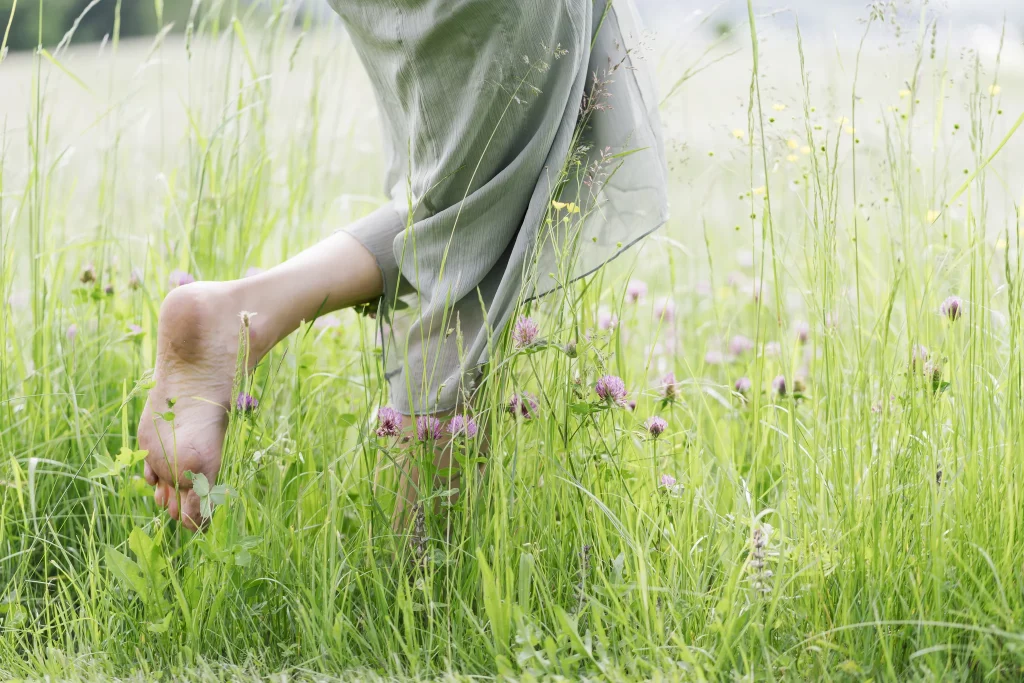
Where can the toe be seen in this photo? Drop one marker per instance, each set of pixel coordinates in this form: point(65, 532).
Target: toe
point(160, 494)
point(172, 504)
point(190, 514)
point(150, 475)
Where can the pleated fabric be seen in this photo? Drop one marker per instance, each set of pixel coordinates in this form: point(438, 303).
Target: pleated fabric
point(480, 103)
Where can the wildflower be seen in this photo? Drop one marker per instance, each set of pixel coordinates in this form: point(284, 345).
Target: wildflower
point(933, 215)
point(246, 403)
point(326, 322)
point(994, 90)
point(779, 106)
point(668, 481)
point(88, 274)
point(611, 389)
point(524, 332)
point(428, 428)
point(743, 385)
point(631, 405)
point(635, 291)
point(606, 320)
point(655, 426)
point(570, 349)
point(933, 373)
point(109, 290)
point(135, 330)
point(665, 309)
point(918, 357)
point(803, 331)
point(669, 387)
point(713, 358)
point(462, 426)
point(760, 574)
point(179, 278)
point(135, 279)
point(72, 332)
point(740, 344)
point(523, 405)
point(389, 421)
point(952, 307)
point(739, 133)
point(779, 385)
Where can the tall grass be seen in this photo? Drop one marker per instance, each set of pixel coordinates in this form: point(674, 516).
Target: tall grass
point(863, 523)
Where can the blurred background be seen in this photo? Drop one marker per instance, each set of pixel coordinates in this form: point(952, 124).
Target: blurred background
point(978, 22)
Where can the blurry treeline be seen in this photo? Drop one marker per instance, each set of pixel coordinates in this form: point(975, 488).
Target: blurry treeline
point(137, 17)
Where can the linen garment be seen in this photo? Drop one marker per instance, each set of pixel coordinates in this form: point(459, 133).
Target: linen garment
point(480, 103)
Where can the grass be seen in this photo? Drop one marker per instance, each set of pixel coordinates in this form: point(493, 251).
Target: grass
point(866, 524)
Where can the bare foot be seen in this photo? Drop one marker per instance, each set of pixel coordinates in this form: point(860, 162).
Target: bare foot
point(186, 415)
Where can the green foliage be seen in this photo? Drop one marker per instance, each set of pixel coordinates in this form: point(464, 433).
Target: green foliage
point(864, 525)
point(138, 17)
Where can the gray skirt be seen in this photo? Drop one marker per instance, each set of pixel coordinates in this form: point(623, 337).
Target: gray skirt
point(524, 150)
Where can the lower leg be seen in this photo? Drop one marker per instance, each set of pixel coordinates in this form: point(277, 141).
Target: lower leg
point(197, 344)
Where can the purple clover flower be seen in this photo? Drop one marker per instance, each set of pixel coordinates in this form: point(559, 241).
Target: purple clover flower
point(635, 291)
point(523, 405)
point(524, 332)
point(72, 332)
point(667, 481)
point(655, 426)
point(779, 385)
point(743, 385)
point(88, 274)
point(714, 357)
point(669, 387)
point(462, 426)
point(606, 320)
point(740, 344)
point(611, 389)
point(918, 357)
point(665, 309)
point(803, 331)
point(428, 428)
point(389, 422)
point(179, 278)
point(952, 307)
point(246, 403)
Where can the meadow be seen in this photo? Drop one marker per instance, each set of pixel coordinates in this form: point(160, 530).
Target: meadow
point(829, 327)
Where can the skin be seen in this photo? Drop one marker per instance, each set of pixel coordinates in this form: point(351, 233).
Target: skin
point(197, 346)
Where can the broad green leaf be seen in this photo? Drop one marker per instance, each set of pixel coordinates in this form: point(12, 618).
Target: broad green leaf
point(126, 571)
point(200, 484)
point(147, 551)
point(129, 458)
point(160, 626)
point(107, 467)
